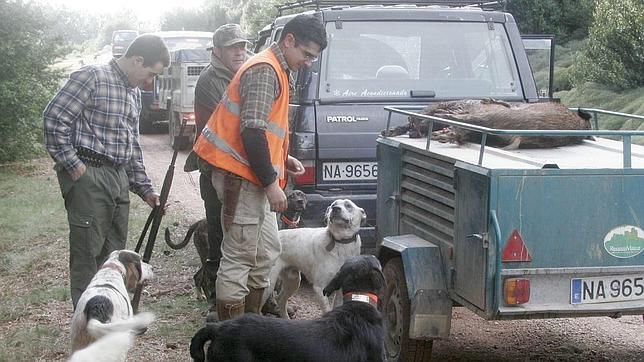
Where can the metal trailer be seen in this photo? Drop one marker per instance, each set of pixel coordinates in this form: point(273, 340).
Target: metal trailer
point(529, 233)
point(177, 90)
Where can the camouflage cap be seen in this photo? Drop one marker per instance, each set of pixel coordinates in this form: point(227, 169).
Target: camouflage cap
point(227, 35)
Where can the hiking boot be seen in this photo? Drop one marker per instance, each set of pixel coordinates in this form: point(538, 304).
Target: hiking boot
point(229, 309)
point(254, 301)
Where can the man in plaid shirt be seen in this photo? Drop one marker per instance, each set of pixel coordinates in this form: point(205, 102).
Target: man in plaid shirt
point(91, 130)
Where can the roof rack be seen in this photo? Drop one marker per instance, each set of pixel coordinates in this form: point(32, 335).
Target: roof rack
point(316, 4)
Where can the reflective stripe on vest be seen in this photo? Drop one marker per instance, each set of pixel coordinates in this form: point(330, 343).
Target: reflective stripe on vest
point(271, 126)
point(220, 143)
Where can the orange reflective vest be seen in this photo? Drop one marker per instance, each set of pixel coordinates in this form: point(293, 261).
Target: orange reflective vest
point(220, 142)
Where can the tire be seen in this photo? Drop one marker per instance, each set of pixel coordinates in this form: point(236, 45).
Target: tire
point(396, 311)
point(145, 124)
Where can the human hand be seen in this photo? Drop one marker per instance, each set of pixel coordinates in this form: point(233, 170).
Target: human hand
point(276, 197)
point(294, 167)
point(78, 172)
point(153, 200)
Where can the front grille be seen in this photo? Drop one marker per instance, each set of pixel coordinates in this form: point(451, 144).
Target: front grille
point(428, 201)
point(195, 69)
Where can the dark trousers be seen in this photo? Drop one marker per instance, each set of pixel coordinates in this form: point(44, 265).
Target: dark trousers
point(213, 217)
point(98, 207)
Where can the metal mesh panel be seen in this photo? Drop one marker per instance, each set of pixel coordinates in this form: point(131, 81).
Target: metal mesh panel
point(195, 69)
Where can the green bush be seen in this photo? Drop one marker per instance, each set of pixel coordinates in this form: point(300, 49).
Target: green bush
point(566, 19)
point(27, 80)
point(614, 53)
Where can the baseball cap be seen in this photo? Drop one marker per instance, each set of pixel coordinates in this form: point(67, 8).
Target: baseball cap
point(227, 35)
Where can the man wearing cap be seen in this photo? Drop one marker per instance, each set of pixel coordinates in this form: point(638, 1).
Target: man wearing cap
point(228, 54)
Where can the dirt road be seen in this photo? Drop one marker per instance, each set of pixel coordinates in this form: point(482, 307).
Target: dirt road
point(472, 338)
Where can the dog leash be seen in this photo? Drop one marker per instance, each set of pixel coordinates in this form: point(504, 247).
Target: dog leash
point(154, 220)
point(291, 224)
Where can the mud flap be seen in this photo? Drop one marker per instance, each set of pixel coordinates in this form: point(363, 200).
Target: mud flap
point(431, 306)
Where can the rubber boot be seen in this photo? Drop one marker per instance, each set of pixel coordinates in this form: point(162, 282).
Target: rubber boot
point(229, 309)
point(254, 301)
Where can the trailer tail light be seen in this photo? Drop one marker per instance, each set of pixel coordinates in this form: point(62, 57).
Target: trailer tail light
point(516, 291)
point(308, 178)
point(515, 249)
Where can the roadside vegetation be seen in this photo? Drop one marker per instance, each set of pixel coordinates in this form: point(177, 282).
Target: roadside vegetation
point(35, 307)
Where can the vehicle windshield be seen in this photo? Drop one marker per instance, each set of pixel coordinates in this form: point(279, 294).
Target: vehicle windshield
point(371, 59)
point(124, 37)
point(175, 43)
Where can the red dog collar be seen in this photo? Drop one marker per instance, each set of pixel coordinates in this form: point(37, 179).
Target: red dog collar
point(362, 297)
point(292, 224)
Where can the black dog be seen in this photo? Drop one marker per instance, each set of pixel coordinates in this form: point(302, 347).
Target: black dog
point(352, 332)
point(290, 219)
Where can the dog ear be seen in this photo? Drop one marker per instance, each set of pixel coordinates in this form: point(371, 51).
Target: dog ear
point(336, 282)
point(327, 215)
point(363, 217)
point(132, 263)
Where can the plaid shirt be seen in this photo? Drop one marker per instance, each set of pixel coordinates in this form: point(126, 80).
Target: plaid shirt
point(97, 109)
point(259, 87)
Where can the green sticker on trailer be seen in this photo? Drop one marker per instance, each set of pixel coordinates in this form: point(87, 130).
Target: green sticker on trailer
point(625, 241)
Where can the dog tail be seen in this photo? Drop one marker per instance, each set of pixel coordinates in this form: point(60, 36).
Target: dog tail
point(186, 240)
point(200, 338)
point(112, 347)
point(136, 324)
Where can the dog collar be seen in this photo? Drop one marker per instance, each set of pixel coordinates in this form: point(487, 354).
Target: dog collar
point(331, 244)
point(114, 266)
point(292, 224)
point(368, 298)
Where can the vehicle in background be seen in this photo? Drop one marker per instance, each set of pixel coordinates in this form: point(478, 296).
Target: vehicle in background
point(121, 39)
point(388, 55)
point(177, 93)
point(152, 112)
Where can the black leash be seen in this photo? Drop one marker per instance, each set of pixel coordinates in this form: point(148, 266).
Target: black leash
point(154, 220)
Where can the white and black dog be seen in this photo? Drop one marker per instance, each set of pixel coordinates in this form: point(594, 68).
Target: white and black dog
point(104, 307)
point(352, 332)
point(318, 253)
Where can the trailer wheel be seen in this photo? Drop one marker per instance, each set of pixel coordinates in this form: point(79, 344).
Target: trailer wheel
point(396, 312)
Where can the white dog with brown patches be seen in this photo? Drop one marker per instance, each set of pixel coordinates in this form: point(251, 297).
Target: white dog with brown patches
point(104, 309)
point(318, 253)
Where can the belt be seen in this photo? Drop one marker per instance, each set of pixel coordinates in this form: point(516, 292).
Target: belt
point(92, 158)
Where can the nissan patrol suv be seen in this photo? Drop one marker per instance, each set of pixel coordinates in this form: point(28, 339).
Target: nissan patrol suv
point(380, 55)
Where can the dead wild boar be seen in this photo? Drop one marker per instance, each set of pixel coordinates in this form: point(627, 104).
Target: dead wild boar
point(500, 115)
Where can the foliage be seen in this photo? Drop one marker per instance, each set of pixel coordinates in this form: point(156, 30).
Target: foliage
point(566, 19)
point(123, 20)
point(28, 47)
point(614, 53)
point(259, 13)
point(206, 19)
point(594, 95)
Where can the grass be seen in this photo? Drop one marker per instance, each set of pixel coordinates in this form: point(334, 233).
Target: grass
point(35, 307)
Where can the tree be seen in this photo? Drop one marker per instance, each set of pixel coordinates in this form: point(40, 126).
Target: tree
point(259, 13)
point(566, 19)
point(614, 53)
point(29, 47)
point(206, 19)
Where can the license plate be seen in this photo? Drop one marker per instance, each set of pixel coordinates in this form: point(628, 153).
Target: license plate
point(345, 171)
point(613, 288)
